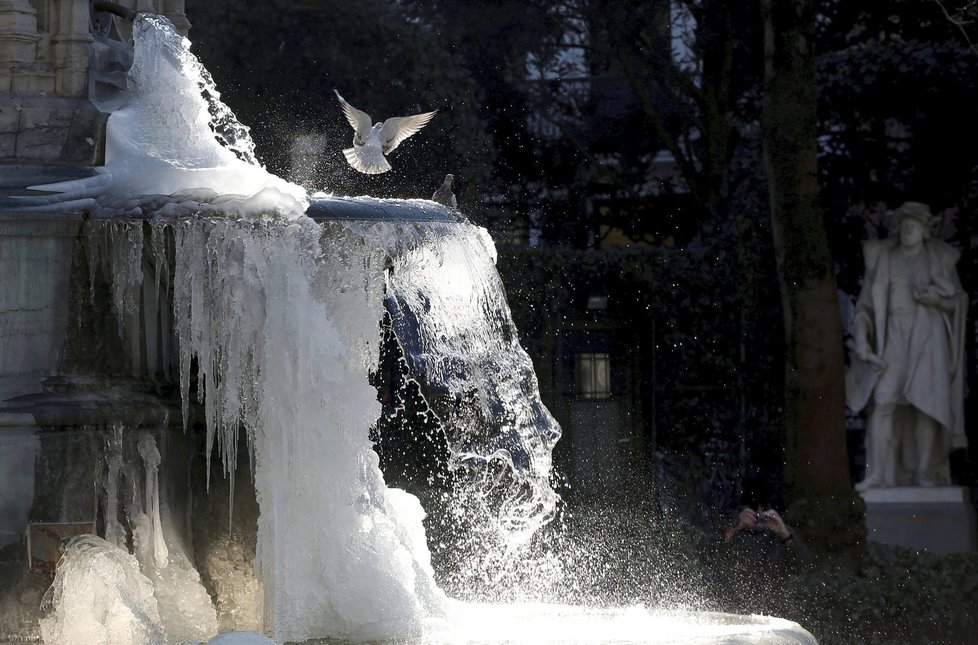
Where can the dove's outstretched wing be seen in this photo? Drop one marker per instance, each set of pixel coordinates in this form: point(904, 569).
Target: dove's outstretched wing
point(359, 119)
point(398, 128)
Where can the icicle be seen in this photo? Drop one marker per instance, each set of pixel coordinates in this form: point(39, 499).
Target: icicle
point(127, 271)
point(115, 533)
point(151, 506)
point(92, 236)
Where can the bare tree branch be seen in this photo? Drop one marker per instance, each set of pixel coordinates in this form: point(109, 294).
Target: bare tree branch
point(959, 24)
point(686, 161)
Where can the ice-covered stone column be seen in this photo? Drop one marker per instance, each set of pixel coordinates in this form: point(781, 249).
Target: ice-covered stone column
point(35, 267)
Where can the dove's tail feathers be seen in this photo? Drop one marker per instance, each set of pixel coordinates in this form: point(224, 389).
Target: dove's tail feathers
point(367, 159)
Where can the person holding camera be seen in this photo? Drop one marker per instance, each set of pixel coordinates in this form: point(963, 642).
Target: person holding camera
point(760, 521)
point(756, 552)
point(759, 533)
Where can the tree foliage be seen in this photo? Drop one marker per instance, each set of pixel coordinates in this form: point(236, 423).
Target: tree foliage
point(896, 84)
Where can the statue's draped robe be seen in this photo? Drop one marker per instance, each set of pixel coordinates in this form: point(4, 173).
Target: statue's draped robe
point(933, 368)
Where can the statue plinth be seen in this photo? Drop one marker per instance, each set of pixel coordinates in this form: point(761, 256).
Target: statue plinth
point(939, 519)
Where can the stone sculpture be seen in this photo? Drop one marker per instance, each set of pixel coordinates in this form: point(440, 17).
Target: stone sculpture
point(907, 355)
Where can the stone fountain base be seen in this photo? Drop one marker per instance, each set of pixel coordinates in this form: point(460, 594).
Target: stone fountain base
point(55, 438)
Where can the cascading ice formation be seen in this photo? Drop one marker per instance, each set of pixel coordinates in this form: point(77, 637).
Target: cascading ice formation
point(283, 323)
point(101, 593)
point(281, 319)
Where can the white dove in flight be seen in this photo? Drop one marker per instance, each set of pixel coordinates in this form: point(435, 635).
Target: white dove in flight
point(371, 143)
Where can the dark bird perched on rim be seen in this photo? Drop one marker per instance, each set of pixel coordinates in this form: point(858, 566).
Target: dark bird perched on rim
point(444, 194)
point(372, 142)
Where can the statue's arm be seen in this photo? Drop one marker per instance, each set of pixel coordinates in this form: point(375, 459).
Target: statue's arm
point(934, 297)
point(945, 290)
point(863, 325)
point(862, 336)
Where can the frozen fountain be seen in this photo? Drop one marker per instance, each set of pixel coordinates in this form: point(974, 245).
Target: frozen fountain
point(240, 310)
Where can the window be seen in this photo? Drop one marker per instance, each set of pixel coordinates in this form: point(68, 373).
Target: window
point(594, 375)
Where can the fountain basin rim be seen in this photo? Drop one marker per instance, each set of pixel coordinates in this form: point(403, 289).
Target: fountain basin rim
point(381, 210)
point(16, 177)
point(363, 209)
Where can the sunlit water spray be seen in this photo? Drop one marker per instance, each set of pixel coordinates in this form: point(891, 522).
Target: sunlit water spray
point(279, 317)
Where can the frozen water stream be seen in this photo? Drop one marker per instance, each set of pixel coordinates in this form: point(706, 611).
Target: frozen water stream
point(280, 317)
point(282, 321)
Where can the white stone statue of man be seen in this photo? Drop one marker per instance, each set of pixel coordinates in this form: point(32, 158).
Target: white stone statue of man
point(908, 354)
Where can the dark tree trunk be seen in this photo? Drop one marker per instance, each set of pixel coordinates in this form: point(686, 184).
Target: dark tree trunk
point(823, 503)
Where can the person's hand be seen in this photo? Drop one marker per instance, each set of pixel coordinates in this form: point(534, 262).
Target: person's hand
point(931, 296)
point(859, 343)
point(746, 519)
point(927, 296)
point(769, 520)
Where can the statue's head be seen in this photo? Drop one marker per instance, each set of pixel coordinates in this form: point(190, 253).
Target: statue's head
point(913, 221)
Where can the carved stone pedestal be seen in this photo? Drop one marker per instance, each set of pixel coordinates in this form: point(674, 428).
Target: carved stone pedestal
point(940, 520)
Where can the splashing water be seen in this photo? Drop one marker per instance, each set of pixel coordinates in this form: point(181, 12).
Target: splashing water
point(169, 85)
point(451, 317)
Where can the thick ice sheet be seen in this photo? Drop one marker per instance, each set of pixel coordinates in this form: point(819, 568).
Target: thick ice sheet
point(165, 139)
